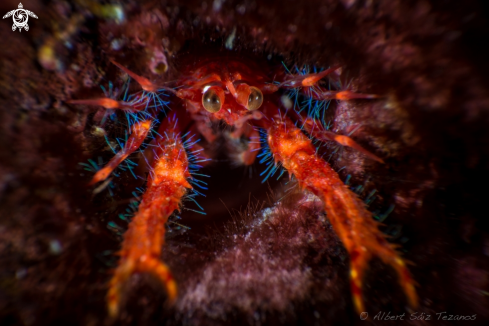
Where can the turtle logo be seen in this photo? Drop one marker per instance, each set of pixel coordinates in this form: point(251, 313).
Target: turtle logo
point(20, 16)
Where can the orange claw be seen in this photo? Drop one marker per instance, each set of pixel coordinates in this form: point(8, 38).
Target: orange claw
point(139, 132)
point(144, 82)
point(141, 248)
point(308, 80)
point(312, 79)
point(350, 219)
point(105, 102)
point(347, 95)
point(341, 95)
point(324, 135)
point(347, 141)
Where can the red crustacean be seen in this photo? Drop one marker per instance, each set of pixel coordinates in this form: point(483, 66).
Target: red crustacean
point(228, 89)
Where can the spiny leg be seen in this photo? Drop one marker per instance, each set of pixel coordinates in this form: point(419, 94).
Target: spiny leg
point(144, 82)
point(139, 132)
point(109, 105)
point(307, 80)
point(344, 95)
point(347, 213)
point(309, 84)
point(141, 248)
point(106, 102)
point(317, 131)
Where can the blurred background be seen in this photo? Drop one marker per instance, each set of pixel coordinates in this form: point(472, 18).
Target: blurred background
point(426, 59)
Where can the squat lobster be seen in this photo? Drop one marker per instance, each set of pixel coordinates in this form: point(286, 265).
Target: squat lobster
point(230, 90)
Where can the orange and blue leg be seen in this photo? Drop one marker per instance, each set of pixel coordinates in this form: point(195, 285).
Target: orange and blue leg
point(166, 186)
point(309, 84)
point(139, 132)
point(352, 222)
point(317, 131)
point(143, 241)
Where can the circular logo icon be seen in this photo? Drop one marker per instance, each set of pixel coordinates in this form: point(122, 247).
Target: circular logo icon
point(364, 315)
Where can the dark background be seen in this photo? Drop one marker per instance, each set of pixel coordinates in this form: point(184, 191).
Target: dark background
point(428, 59)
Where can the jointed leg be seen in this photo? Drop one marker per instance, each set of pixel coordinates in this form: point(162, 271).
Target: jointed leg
point(144, 239)
point(320, 133)
point(144, 82)
point(310, 81)
point(106, 102)
point(344, 95)
point(350, 219)
point(109, 103)
point(294, 81)
point(139, 132)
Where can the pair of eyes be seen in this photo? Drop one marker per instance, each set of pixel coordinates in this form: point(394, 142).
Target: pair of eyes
point(212, 102)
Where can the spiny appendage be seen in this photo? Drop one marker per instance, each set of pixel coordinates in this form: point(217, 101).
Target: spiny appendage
point(152, 95)
point(309, 81)
point(145, 83)
point(106, 103)
point(347, 213)
point(139, 131)
point(343, 95)
point(141, 248)
point(319, 132)
point(137, 103)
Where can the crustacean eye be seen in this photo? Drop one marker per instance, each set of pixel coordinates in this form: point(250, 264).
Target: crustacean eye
point(255, 100)
point(211, 100)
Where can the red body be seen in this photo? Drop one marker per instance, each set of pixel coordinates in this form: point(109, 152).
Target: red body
point(244, 97)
